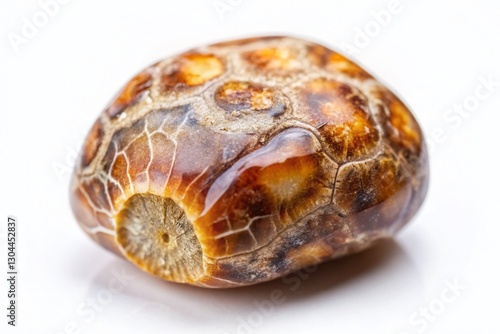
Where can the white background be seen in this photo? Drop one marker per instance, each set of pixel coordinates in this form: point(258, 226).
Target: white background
point(433, 53)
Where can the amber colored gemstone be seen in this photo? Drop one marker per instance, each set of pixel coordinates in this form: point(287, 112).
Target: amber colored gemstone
point(248, 160)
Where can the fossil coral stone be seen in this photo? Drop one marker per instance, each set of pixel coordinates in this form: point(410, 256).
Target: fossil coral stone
point(239, 162)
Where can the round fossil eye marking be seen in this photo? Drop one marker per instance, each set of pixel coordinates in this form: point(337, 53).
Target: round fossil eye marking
point(156, 235)
point(131, 93)
point(92, 143)
point(238, 95)
point(192, 70)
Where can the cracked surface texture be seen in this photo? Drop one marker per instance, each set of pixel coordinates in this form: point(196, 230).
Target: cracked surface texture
point(240, 162)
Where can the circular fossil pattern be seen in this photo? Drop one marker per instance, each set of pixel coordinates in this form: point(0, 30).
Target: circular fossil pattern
point(240, 162)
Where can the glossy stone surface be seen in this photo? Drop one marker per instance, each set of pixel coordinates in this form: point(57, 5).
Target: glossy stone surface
point(239, 162)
